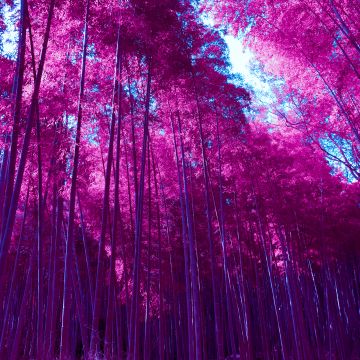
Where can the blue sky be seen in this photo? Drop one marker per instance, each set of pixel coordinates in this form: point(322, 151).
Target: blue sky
point(10, 35)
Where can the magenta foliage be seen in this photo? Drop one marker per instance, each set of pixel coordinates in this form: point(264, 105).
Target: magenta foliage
point(149, 210)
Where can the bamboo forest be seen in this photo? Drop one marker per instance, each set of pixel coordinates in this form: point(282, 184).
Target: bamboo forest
point(179, 179)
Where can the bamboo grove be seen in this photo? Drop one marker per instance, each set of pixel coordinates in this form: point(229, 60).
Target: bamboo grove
point(149, 210)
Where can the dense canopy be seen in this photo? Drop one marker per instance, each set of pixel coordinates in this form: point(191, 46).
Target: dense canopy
point(154, 206)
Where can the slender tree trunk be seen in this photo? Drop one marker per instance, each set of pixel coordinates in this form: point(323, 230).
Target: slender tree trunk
point(132, 105)
point(218, 331)
point(175, 300)
point(87, 256)
point(3, 174)
point(133, 338)
point(29, 125)
point(190, 329)
point(224, 247)
point(115, 232)
point(16, 345)
point(17, 89)
point(95, 338)
point(65, 322)
point(50, 275)
point(192, 252)
point(55, 288)
point(270, 276)
point(147, 309)
point(14, 277)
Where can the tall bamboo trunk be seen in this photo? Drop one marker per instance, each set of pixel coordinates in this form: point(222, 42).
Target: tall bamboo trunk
point(192, 252)
point(17, 89)
point(115, 232)
point(161, 305)
point(224, 246)
point(175, 301)
point(14, 277)
point(95, 336)
point(149, 248)
point(218, 327)
point(271, 281)
point(190, 329)
point(6, 237)
point(133, 337)
point(65, 321)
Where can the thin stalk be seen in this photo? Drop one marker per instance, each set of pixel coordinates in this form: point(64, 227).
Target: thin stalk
point(65, 321)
